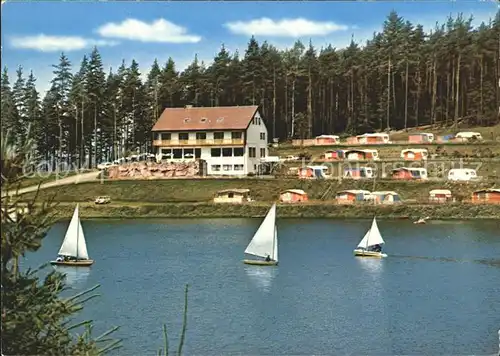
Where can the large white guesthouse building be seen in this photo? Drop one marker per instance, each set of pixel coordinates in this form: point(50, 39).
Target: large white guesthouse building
point(230, 140)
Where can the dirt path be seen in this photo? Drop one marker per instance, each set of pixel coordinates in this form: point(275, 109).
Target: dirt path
point(79, 178)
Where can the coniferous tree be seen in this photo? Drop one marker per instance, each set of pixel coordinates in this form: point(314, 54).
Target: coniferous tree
point(60, 90)
point(9, 113)
point(95, 88)
point(18, 93)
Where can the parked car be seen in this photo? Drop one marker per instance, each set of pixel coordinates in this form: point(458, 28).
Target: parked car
point(103, 200)
point(105, 165)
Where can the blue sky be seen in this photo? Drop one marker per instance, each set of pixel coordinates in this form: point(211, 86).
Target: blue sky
point(35, 33)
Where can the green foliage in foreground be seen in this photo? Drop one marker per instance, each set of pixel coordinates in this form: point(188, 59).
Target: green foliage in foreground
point(165, 349)
point(36, 318)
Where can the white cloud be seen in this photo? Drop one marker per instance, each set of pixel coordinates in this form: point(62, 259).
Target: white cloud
point(284, 28)
point(159, 30)
point(45, 43)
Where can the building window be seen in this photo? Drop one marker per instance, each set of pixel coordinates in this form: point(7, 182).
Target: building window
point(263, 136)
point(201, 135)
point(226, 167)
point(236, 135)
point(188, 153)
point(216, 167)
point(218, 135)
point(197, 152)
point(251, 152)
point(238, 152)
point(215, 152)
point(166, 153)
point(263, 152)
point(177, 153)
point(165, 136)
point(238, 167)
point(183, 136)
point(227, 152)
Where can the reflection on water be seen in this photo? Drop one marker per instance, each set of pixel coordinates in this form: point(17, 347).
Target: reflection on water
point(75, 276)
point(371, 266)
point(490, 262)
point(262, 277)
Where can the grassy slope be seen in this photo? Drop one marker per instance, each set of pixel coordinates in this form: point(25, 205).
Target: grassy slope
point(490, 134)
point(485, 157)
point(44, 177)
point(203, 190)
point(179, 210)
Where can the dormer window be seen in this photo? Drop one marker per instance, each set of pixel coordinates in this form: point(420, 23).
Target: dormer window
point(203, 119)
point(186, 120)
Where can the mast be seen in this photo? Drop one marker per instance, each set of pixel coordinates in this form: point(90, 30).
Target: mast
point(77, 232)
point(274, 239)
point(368, 238)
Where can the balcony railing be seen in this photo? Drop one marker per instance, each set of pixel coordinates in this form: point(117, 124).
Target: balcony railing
point(209, 142)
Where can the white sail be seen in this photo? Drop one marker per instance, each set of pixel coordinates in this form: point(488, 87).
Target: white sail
point(372, 237)
point(262, 244)
point(74, 241)
point(275, 250)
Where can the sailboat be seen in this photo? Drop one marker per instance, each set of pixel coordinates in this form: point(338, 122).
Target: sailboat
point(73, 251)
point(371, 238)
point(264, 243)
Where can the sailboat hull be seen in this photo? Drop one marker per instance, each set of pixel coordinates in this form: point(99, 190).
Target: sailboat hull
point(260, 263)
point(80, 263)
point(364, 253)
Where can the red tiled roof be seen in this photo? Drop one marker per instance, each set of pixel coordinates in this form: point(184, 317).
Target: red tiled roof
point(206, 118)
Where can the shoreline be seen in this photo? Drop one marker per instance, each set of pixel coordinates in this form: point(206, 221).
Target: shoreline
point(287, 211)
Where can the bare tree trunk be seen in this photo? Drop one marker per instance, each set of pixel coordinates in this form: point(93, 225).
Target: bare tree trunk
point(388, 92)
point(76, 132)
point(286, 107)
point(274, 102)
point(417, 101)
point(352, 117)
point(348, 106)
point(293, 106)
point(406, 96)
point(82, 138)
point(457, 94)
point(366, 100)
point(434, 92)
point(481, 108)
point(309, 106)
point(336, 107)
point(329, 108)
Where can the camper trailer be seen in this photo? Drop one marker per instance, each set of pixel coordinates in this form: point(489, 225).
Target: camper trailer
point(364, 155)
point(469, 136)
point(333, 155)
point(440, 195)
point(421, 138)
point(360, 173)
point(373, 138)
point(409, 173)
point(325, 140)
point(462, 174)
point(313, 172)
point(414, 154)
point(351, 196)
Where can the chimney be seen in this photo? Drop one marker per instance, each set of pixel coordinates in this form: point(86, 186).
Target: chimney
point(189, 106)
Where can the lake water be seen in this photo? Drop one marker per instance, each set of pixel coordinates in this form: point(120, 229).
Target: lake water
point(438, 292)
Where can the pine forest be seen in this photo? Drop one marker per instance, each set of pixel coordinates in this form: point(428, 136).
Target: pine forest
point(403, 77)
